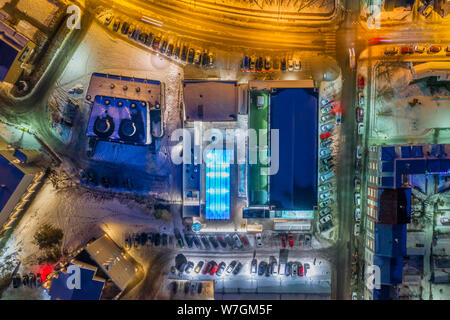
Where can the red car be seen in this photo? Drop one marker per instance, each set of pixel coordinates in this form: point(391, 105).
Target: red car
point(361, 82)
point(214, 269)
point(207, 268)
point(291, 240)
point(283, 241)
point(325, 135)
point(300, 270)
point(407, 50)
point(434, 49)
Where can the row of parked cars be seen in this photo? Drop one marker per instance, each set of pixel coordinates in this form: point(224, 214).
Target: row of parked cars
point(289, 239)
point(270, 268)
point(326, 171)
point(212, 268)
point(260, 64)
point(27, 280)
point(189, 287)
point(148, 238)
point(161, 44)
point(392, 50)
point(213, 241)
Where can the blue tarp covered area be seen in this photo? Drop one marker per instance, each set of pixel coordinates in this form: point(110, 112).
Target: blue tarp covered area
point(294, 112)
point(90, 289)
point(7, 56)
point(10, 177)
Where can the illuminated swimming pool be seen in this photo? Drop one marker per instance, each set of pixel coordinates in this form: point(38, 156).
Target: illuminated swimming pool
point(218, 184)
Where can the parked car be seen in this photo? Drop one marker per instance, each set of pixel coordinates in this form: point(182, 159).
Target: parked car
point(359, 114)
point(184, 53)
point(325, 195)
point(361, 82)
point(326, 127)
point(360, 128)
point(262, 268)
point(238, 269)
point(176, 53)
point(326, 176)
point(197, 57)
point(214, 242)
point(287, 271)
point(283, 65)
point(326, 109)
point(326, 117)
point(208, 267)
point(324, 152)
point(325, 135)
point(325, 144)
point(229, 241)
point(231, 266)
point(252, 63)
point(359, 152)
point(244, 240)
point(221, 268)
point(357, 214)
point(214, 268)
point(447, 49)
point(356, 230)
point(258, 239)
point(143, 37)
point(222, 242)
point(419, 49)
point(116, 25)
point(300, 269)
point(326, 101)
point(357, 199)
point(444, 221)
point(427, 11)
point(325, 219)
point(294, 269)
point(407, 50)
point(125, 28)
point(237, 241)
point(189, 267)
point(197, 242)
point(245, 63)
point(149, 40)
point(254, 266)
point(199, 266)
point(325, 187)
point(327, 160)
point(390, 51)
point(327, 167)
point(297, 65)
point(307, 240)
point(324, 212)
point(205, 242)
point(325, 203)
point(434, 49)
point(155, 45)
point(205, 60)
point(290, 65)
point(191, 55)
point(291, 241)
point(338, 118)
point(361, 99)
point(187, 286)
point(267, 63)
point(169, 51)
point(276, 64)
point(163, 47)
point(283, 241)
point(357, 184)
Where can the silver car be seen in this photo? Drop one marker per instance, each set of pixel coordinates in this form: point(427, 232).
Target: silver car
point(325, 219)
point(326, 127)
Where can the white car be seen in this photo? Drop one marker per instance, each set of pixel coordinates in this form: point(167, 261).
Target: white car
point(356, 230)
point(338, 118)
point(358, 151)
point(326, 127)
point(361, 128)
point(325, 195)
point(361, 99)
point(357, 199)
point(354, 296)
point(419, 49)
point(325, 152)
point(326, 109)
point(358, 214)
point(258, 240)
point(297, 65)
point(325, 219)
point(325, 187)
point(291, 65)
point(352, 58)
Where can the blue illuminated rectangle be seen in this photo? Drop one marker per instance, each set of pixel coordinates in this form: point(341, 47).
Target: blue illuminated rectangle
point(218, 184)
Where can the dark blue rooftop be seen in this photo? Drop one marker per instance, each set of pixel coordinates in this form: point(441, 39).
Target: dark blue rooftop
point(7, 56)
point(10, 177)
point(294, 112)
point(90, 289)
point(390, 240)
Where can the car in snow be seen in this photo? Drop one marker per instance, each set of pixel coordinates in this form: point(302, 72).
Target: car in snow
point(262, 268)
point(325, 195)
point(325, 144)
point(199, 266)
point(419, 49)
point(390, 51)
point(291, 240)
point(238, 268)
point(283, 241)
point(358, 152)
point(189, 267)
point(357, 199)
point(325, 219)
point(357, 184)
point(290, 65)
point(294, 269)
point(356, 230)
point(326, 118)
point(434, 49)
point(254, 266)
point(361, 99)
point(326, 127)
point(300, 270)
point(325, 135)
point(326, 203)
point(214, 268)
point(208, 267)
point(324, 212)
point(325, 187)
point(325, 152)
point(360, 128)
point(357, 214)
point(326, 109)
point(231, 266)
point(221, 268)
point(359, 114)
point(237, 241)
point(326, 176)
point(258, 240)
point(297, 65)
point(361, 82)
point(338, 118)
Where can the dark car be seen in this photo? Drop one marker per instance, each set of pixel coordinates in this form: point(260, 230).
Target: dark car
point(245, 63)
point(244, 240)
point(197, 242)
point(157, 239)
point(131, 31)
point(189, 267)
point(125, 28)
point(213, 241)
point(187, 286)
point(221, 268)
point(164, 239)
point(184, 52)
point(268, 270)
point(179, 238)
point(163, 47)
point(189, 240)
point(222, 242)
point(287, 271)
point(16, 281)
point(116, 25)
point(229, 241)
point(205, 59)
point(259, 64)
point(176, 53)
point(169, 51)
point(174, 287)
point(208, 267)
point(199, 288)
point(283, 64)
point(262, 268)
point(144, 238)
point(149, 40)
point(191, 55)
point(155, 45)
point(205, 242)
point(143, 37)
point(237, 269)
point(252, 63)
point(231, 266)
